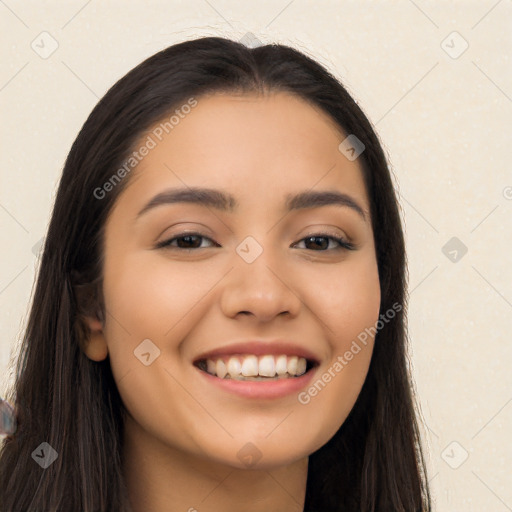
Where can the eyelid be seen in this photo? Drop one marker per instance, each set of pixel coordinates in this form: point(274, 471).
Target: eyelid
point(327, 232)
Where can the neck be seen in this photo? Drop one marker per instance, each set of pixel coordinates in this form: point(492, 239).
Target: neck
point(163, 479)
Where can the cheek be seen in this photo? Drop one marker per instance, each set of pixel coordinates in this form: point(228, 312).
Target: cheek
point(147, 301)
point(348, 299)
point(349, 309)
point(148, 297)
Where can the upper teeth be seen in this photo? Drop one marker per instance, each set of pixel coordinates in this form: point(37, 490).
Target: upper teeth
point(237, 367)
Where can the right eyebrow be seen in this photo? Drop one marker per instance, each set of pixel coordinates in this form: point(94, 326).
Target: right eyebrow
point(201, 196)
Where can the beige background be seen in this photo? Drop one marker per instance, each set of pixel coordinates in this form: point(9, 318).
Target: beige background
point(443, 118)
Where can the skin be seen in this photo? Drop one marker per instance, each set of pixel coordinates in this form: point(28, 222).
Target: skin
point(182, 434)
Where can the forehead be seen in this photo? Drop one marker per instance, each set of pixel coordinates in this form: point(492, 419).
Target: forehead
point(270, 123)
point(258, 146)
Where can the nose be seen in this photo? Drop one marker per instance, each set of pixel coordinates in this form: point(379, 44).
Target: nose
point(262, 289)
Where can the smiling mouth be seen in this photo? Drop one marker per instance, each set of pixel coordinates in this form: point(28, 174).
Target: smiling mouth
point(248, 367)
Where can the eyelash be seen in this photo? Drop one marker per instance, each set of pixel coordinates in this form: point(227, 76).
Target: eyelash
point(343, 244)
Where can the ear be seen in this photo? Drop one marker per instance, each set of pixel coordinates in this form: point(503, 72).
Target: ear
point(90, 323)
point(94, 345)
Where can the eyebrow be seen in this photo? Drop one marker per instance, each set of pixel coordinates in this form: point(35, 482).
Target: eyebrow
point(225, 202)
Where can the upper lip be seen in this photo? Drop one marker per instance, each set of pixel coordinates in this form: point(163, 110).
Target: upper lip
point(260, 348)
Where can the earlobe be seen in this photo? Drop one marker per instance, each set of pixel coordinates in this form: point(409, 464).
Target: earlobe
point(95, 345)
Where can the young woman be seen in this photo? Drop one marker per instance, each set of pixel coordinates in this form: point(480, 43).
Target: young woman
point(219, 317)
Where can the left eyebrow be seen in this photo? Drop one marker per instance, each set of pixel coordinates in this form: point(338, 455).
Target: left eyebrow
point(223, 201)
point(315, 199)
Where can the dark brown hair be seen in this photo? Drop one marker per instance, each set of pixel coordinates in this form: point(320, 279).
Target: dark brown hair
point(373, 463)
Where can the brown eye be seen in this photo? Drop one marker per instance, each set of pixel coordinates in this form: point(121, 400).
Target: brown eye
point(320, 242)
point(185, 241)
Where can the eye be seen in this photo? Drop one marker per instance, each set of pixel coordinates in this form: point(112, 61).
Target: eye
point(321, 242)
point(185, 241)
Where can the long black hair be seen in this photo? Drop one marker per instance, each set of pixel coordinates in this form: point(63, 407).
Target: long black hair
point(373, 463)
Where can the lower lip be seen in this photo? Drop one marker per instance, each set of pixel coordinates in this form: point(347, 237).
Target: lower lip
point(260, 389)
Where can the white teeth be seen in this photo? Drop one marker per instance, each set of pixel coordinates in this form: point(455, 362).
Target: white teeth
point(281, 368)
point(267, 367)
point(292, 365)
point(234, 367)
point(221, 369)
point(301, 366)
point(211, 366)
point(249, 367)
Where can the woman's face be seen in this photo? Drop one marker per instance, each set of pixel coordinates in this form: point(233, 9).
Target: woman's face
point(252, 268)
